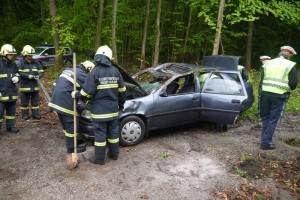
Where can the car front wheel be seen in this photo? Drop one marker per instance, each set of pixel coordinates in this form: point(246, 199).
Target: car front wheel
point(132, 131)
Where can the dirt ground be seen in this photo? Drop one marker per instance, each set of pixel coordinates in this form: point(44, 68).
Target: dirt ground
point(190, 162)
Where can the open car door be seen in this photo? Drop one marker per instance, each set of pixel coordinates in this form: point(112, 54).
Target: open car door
point(222, 95)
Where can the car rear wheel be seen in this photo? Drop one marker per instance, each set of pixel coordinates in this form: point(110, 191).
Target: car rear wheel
point(132, 131)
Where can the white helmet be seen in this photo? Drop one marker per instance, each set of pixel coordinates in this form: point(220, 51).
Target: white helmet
point(7, 49)
point(105, 50)
point(88, 65)
point(289, 49)
point(28, 51)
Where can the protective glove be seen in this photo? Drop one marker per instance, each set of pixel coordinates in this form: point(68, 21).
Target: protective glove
point(30, 76)
point(36, 77)
point(73, 94)
point(15, 79)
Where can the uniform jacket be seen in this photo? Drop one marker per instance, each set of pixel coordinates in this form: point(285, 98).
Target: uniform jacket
point(8, 89)
point(25, 69)
point(62, 101)
point(292, 82)
point(105, 86)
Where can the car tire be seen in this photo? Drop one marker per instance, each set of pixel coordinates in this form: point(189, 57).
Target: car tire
point(132, 131)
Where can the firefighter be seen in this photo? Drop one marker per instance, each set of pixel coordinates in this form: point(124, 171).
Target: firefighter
point(8, 90)
point(105, 86)
point(62, 102)
point(278, 79)
point(30, 72)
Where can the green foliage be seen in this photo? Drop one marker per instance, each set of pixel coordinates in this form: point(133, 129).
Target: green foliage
point(240, 172)
point(164, 154)
point(276, 24)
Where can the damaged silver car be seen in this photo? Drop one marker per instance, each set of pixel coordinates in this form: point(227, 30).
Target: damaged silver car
point(173, 94)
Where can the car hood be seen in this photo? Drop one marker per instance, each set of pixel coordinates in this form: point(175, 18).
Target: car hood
point(127, 77)
point(221, 62)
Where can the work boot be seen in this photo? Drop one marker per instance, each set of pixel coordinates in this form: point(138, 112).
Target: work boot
point(12, 130)
point(96, 161)
point(80, 148)
point(25, 117)
point(72, 162)
point(38, 116)
point(269, 146)
point(113, 157)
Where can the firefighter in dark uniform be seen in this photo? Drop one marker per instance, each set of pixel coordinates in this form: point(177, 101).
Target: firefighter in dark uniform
point(30, 71)
point(105, 86)
point(278, 79)
point(8, 90)
point(62, 102)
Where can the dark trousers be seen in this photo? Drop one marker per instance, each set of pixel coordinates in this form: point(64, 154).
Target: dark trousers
point(67, 122)
point(106, 132)
point(10, 109)
point(25, 98)
point(271, 109)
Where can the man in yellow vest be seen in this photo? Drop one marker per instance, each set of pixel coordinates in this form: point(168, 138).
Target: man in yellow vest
point(278, 79)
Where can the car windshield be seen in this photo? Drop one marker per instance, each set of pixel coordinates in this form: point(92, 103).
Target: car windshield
point(149, 82)
point(38, 50)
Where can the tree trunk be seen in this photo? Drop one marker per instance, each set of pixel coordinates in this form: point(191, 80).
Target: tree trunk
point(249, 45)
point(157, 37)
point(43, 18)
point(115, 9)
point(99, 24)
point(143, 53)
point(187, 34)
point(59, 63)
point(219, 28)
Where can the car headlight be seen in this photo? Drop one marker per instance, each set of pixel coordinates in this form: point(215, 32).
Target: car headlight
point(86, 114)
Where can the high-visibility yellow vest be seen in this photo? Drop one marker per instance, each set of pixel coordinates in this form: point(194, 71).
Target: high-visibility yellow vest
point(240, 68)
point(276, 73)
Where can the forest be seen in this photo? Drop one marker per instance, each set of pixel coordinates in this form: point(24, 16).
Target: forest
point(143, 33)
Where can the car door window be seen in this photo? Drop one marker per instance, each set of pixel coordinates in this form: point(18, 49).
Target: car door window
point(222, 83)
point(50, 51)
point(181, 85)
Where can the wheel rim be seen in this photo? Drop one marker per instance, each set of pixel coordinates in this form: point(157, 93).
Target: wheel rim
point(131, 131)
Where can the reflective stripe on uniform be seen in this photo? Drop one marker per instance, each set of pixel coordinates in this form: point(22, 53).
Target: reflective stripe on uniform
point(104, 116)
point(83, 93)
point(35, 107)
point(112, 141)
point(3, 75)
point(1, 120)
point(123, 89)
point(23, 70)
point(71, 135)
point(4, 98)
point(71, 112)
point(24, 108)
point(10, 117)
point(69, 79)
point(24, 89)
point(107, 86)
point(100, 144)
